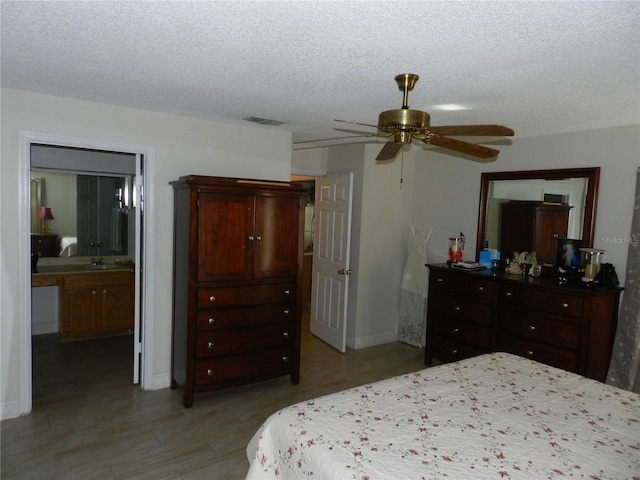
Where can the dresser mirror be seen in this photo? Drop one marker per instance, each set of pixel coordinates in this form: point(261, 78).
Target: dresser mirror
point(577, 187)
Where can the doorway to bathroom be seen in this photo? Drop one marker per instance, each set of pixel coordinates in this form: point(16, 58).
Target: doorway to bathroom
point(121, 169)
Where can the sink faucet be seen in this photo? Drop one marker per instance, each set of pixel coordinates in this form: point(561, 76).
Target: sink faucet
point(95, 261)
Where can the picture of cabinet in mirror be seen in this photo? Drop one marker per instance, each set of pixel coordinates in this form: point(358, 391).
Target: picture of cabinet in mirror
point(568, 253)
point(591, 262)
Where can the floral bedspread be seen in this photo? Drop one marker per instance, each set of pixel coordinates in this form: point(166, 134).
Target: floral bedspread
point(492, 416)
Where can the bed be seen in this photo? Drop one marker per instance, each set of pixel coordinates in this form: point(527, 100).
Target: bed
point(491, 416)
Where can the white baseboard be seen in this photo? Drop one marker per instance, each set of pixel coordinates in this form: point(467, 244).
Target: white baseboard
point(9, 410)
point(371, 340)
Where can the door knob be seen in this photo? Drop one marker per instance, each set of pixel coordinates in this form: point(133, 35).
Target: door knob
point(342, 271)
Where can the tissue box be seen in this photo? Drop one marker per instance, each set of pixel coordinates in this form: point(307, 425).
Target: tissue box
point(487, 256)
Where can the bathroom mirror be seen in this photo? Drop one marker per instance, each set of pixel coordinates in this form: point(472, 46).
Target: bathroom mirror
point(90, 212)
point(577, 187)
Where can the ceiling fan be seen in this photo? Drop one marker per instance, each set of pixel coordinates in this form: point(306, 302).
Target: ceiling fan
point(403, 125)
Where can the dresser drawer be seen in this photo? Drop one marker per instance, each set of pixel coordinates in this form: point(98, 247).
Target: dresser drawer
point(238, 369)
point(557, 303)
point(460, 331)
point(247, 295)
point(540, 352)
point(231, 341)
point(448, 350)
point(216, 319)
point(462, 308)
point(463, 284)
point(531, 326)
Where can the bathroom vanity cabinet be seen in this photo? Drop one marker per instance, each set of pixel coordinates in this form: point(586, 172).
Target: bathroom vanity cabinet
point(96, 304)
point(238, 248)
point(92, 304)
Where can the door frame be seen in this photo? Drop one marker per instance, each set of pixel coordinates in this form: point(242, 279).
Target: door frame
point(25, 139)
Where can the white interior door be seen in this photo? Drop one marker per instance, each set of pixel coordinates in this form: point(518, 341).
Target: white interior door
point(137, 322)
point(332, 238)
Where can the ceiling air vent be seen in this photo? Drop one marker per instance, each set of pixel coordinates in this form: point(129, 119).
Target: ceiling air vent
point(264, 121)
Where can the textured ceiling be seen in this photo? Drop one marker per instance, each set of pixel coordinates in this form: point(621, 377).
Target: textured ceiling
point(537, 67)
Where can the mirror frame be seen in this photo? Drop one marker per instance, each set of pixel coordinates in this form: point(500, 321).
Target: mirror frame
point(592, 174)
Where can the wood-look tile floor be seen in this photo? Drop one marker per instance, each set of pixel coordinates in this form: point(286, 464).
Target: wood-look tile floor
point(90, 422)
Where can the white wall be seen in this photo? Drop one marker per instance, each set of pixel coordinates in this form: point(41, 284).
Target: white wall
point(452, 186)
point(182, 146)
point(379, 240)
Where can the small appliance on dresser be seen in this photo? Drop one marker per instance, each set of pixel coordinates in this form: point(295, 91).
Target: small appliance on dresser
point(237, 287)
point(567, 326)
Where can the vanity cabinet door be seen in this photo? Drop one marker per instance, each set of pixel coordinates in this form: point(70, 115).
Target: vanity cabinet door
point(79, 312)
point(96, 304)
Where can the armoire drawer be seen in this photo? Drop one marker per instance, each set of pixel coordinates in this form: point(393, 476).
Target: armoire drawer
point(213, 297)
point(531, 326)
point(237, 369)
point(222, 318)
point(232, 341)
point(540, 352)
point(460, 307)
point(469, 286)
point(557, 303)
point(448, 350)
point(460, 331)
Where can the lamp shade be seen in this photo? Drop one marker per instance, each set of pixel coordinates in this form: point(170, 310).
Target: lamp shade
point(45, 214)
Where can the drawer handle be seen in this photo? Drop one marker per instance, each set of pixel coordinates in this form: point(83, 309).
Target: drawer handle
point(209, 344)
point(104, 291)
point(212, 321)
point(530, 353)
point(455, 329)
point(212, 298)
point(93, 292)
point(285, 334)
point(251, 237)
point(285, 358)
point(508, 294)
point(532, 328)
point(565, 305)
point(287, 292)
point(258, 238)
point(457, 308)
point(481, 288)
point(209, 372)
point(454, 351)
point(439, 279)
point(286, 312)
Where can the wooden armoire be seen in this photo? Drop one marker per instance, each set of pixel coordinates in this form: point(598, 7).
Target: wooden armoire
point(533, 226)
point(237, 282)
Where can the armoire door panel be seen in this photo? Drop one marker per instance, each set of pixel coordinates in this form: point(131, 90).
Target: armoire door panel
point(225, 248)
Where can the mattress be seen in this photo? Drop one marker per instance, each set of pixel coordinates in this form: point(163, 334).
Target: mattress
point(492, 416)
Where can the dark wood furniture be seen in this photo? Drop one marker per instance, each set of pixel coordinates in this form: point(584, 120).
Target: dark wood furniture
point(529, 226)
point(45, 245)
point(570, 327)
point(237, 303)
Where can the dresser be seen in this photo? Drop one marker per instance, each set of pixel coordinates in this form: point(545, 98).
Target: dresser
point(533, 226)
point(470, 313)
point(45, 245)
point(237, 294)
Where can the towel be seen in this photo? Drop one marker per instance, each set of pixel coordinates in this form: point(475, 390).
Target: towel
point(116, 230)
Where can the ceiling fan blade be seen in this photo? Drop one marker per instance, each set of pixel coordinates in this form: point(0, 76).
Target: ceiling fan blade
point(356, 123)
point(362, 134)
point(335, 138)
point(480, 130)
point(463, 147)
point(389, 151)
